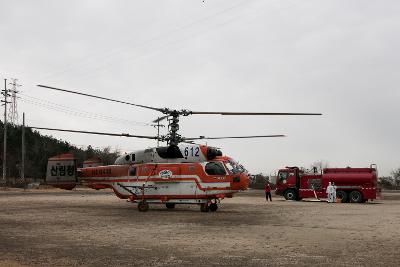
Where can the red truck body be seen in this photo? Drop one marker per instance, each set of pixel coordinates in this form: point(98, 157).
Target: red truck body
point(353, 184)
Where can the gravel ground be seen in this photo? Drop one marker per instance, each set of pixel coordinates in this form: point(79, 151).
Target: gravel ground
point(94, 228)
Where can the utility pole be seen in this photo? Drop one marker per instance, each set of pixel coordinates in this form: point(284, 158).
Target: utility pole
point(23, 150)
point(5, 93)
point(12, 110)
point(158, 125)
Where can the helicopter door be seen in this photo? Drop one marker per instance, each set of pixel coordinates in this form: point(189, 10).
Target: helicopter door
point(216, 172)
point(192, 181)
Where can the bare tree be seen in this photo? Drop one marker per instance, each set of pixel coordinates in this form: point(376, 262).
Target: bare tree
point(396, 178)
point(386, 182)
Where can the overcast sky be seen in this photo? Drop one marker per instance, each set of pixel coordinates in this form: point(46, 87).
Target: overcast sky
point(340, 58)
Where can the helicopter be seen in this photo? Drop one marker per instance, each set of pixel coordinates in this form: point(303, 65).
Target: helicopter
point(183, 172)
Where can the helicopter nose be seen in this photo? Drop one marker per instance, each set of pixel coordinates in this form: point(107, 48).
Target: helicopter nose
point(240, 182)
point(244, 183)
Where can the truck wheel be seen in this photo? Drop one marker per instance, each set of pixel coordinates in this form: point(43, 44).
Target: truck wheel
point(204, 207)
point(342, 195)
point(170, 205)
point(356, 197)
point(290, 194)
point(143, 206)
point(213, 207)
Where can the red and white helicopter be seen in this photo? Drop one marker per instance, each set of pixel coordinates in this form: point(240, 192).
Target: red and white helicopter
point(180, 173)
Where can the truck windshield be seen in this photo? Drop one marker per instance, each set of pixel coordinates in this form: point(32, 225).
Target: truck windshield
point(234, 167)
point(282, 177)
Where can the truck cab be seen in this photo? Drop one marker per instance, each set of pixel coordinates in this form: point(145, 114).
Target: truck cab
point(288, 183)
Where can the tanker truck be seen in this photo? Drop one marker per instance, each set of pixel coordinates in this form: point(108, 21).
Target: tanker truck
point(356, 185)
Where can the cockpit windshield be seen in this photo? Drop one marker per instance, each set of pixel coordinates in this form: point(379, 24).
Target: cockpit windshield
point(234, 167)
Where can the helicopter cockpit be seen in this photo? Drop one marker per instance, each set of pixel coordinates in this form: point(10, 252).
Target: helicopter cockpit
point(234, 167)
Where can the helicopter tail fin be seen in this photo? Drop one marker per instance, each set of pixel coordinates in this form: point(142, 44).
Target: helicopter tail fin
point(61, 171)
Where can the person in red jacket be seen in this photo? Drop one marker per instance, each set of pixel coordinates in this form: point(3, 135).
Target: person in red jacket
point(267, 190)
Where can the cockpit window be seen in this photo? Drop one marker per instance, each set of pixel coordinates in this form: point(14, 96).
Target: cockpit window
point(215, 168)
point(282, 176)
point(234, 167)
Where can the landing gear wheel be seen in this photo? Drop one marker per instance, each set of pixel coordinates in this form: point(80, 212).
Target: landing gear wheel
point(204, 207)
point(356, 197)
point(213, 207)
point(342, 195)
point(143, 206)
point(170, 205)
point(290, 194)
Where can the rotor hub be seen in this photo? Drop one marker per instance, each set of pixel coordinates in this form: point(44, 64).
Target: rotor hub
point(173, 127)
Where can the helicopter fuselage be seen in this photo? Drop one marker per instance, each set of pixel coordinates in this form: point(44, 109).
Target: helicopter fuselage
point(190, 183)
point(186, 180)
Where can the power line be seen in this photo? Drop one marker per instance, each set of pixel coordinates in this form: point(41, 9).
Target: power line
point(88, 61)
point(165, 46)
point(76, 112)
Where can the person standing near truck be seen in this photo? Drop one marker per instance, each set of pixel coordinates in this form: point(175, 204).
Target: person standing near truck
point(267, 190)
point(334, 192)
point(329, 191)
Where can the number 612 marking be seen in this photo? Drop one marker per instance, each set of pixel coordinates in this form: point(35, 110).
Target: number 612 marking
point(192, 151)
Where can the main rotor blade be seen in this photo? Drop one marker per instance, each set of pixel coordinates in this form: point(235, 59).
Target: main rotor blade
point(160, 119)
point(252, 113)
point(100, 97)
point(98, 133)
point(233, 137)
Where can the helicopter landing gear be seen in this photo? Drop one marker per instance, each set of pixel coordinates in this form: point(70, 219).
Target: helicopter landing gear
point(143, 206)
point(213, 207)
point(170, 205)
point(204, 207)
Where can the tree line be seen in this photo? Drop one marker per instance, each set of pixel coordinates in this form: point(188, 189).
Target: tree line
point(39, 148)
point(391, 182)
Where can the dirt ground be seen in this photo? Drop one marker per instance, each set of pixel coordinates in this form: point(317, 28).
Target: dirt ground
point(94, 228)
